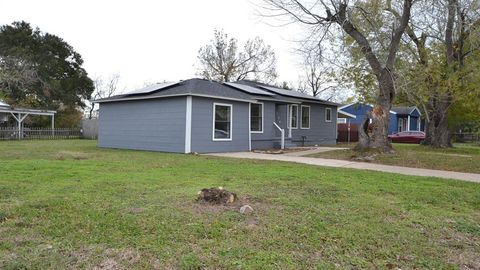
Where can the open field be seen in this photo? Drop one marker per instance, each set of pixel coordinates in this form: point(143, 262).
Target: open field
point(461, 158)
point(68, 204)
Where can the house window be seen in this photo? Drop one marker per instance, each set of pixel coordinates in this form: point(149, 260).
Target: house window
point(305, 117)
point(256, 117)
point(293, 116)
point(328, 114)
point(342, 120)
point(222, 122)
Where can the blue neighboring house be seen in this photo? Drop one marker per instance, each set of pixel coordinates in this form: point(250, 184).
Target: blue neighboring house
point(402, 118)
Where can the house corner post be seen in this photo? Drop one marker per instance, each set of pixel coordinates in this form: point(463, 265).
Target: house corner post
point(188, 125)
point(408, 123)
point(250, 127)
point(53, 125)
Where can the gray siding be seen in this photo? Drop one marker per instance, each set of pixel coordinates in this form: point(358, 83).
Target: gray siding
point(157, 124)
point(202, 126)
point(321, 131)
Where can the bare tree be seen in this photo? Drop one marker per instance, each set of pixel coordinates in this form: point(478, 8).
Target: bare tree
point(221, 60)
point(318, 78)
point(103, 89)
point(337, 18)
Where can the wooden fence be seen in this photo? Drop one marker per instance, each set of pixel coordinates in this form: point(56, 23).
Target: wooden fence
point(466, 137)
point(347, 132)
point(12, 133)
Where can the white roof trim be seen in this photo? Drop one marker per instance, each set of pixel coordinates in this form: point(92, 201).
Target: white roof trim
point(348, 105)
point(27, 111)
point(347, 114)
point(3, 104)
point(415, 108)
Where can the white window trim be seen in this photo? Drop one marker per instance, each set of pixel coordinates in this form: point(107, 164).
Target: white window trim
point(250, 117)
point(290, 116)
point(301, 116)
point(231, 122)
point(331, 114)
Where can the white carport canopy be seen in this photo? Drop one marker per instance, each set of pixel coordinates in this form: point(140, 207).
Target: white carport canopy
point(19, 114)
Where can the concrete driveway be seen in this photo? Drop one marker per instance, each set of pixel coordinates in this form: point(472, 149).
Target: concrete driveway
point(297, 157)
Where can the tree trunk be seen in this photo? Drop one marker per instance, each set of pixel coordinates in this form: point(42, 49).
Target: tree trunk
point(377, 138)
point(436, 129)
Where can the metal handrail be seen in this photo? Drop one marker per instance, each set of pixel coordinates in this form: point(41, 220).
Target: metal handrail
point(282, 132)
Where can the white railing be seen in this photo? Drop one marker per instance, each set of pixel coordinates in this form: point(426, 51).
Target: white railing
point(282, 132)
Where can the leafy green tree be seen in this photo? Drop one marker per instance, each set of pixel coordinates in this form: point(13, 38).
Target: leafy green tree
point(440, 72)
point(41, 70)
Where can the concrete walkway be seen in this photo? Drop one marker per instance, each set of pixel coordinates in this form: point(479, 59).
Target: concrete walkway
point(311, 151)
point(472, 177)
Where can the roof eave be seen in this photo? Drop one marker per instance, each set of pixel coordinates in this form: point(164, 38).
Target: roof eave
point(175, 95)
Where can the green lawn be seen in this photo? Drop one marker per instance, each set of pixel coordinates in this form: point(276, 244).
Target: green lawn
point(460, 158)
point(68, 204)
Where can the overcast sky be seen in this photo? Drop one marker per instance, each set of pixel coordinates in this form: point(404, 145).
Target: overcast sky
point(151, 41)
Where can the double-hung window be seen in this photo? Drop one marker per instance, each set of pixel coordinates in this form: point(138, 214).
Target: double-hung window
point(256, 117)
point(328, 114)
point(222, 122)
point(305, 124)
point(294, 116)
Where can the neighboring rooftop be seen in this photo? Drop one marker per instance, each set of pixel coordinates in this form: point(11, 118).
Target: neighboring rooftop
point(3, 104)
point(403, 109)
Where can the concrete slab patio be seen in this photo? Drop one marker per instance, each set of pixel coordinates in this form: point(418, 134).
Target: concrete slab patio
point(471, 177)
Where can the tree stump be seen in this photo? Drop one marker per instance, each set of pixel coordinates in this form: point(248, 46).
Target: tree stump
point(216, 196)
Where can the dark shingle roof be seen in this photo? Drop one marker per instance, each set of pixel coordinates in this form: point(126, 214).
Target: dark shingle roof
point(213, 89)
point(403, 109)
point(282, 93)
point(191, 86)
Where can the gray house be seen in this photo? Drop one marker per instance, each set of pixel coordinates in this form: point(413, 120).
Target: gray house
point(203, 116)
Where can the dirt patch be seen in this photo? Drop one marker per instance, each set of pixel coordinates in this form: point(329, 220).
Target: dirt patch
point(99, 258)
point(63, 155)
point(203, 207)
point(259, 207)
point(452, 155)
point(463, 249)
point(118, 259)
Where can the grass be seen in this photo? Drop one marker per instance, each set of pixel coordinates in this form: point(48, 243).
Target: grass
point(68, 204)
point(460, 158)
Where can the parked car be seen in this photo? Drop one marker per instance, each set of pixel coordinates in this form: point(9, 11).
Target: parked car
point(407, 137)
